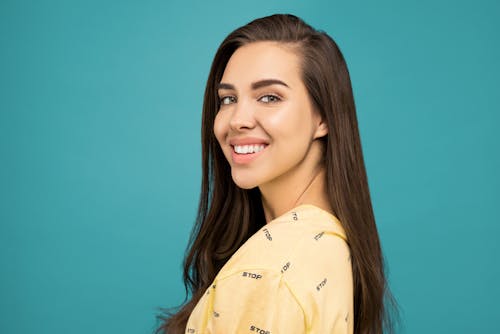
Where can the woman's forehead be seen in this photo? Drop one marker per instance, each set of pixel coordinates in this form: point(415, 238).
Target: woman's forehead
point(258, 60)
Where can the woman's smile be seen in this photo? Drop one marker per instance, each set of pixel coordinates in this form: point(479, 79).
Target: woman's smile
point(246, 149)
point(245, 154)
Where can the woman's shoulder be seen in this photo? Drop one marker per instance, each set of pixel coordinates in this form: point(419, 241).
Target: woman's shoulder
point(308, 217)
point(299, 261)
point(299, 230)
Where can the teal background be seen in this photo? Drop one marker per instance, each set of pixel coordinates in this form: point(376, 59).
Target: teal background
point(100, 153)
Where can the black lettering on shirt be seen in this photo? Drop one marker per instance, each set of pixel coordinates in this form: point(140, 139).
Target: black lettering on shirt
point(285, 267)
point(208, 290)
point(251, 275)
point(294, 216)
point(259, 330)
point(268, 235)
point(321, 284)
point(319, 235)
point(190, 330)
point(216, 314)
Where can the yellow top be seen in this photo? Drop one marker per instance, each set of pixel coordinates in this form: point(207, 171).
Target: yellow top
point(294, 275)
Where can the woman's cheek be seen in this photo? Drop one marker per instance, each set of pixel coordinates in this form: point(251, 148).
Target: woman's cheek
point(220, 130)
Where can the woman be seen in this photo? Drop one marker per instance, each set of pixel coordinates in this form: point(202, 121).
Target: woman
point(285, 239)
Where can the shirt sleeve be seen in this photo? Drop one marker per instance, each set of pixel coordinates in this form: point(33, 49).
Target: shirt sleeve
point(253, 301)
point(309, 292)
point(320, 276)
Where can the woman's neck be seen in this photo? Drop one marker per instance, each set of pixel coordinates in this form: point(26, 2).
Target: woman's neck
point(306, 185)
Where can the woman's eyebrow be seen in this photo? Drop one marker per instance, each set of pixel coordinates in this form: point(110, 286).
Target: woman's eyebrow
point(255, 85)
point(268, 82)
point(227, 86)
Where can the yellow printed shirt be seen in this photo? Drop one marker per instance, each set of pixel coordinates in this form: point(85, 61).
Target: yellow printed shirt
point(292, 276)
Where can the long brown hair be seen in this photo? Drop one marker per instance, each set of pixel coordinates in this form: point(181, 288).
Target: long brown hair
point(229, 215)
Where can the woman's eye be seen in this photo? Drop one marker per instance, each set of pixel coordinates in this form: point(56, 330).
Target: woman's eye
point(270, 98)
point(227, 100)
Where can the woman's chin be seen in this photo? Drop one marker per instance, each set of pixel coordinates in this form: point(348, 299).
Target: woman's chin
point(244, 182)
point(245, 185)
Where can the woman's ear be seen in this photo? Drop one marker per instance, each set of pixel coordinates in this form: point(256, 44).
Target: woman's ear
point(321, 130)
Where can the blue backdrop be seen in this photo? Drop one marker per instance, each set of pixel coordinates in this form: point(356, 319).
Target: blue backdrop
point(100, 153)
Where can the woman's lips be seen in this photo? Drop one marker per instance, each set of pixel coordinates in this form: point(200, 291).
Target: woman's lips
point(252, 152)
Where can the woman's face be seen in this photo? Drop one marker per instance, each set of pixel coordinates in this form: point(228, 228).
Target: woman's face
point(266, 123)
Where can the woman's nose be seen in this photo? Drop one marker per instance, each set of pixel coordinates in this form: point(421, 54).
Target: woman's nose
point(242, 117)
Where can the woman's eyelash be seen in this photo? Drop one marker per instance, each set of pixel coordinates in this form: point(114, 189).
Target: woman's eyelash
point(221, 99)
point(232, 99)
point(275, 98)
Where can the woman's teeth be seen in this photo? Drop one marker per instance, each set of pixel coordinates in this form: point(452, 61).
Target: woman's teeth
point(247, 149)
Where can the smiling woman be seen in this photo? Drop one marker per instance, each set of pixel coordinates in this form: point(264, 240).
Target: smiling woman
point(285, 240)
